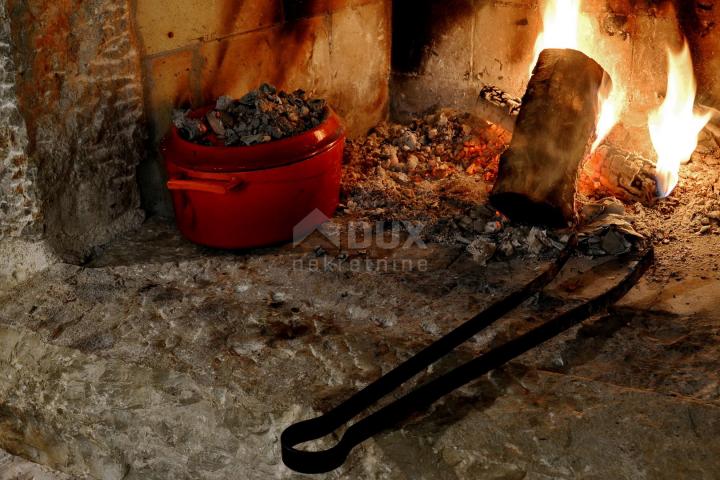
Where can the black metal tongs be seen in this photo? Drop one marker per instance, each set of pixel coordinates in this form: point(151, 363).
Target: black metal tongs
point(423, 396)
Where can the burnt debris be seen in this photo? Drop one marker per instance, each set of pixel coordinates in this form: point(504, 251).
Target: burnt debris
point(260, 116)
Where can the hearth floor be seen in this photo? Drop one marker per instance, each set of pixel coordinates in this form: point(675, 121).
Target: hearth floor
point(159, 359)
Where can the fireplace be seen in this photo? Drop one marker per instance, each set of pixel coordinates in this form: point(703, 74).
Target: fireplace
point(542, 155)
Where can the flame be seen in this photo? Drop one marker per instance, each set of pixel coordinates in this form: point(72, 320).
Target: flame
point(674, 127)
point(609, 111)
point(561, 27)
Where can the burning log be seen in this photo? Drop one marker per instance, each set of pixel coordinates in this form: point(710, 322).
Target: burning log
point(556, 125)
point(617, 173)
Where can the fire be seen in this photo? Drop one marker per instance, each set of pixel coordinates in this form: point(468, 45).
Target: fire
point(613, 99)
point(563, 25)
point(674, 127)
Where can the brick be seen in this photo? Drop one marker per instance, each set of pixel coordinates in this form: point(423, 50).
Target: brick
point(451, 52)
point(360, 65)
point(295, 55)
point(173, 24)
point(296, 9)
point(503, 45)
point(168, 85)
point(649, 72)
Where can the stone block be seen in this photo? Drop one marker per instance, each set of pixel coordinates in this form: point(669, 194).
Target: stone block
point(169, 25)
point(80, 97)
point(450, 54)
point(296, 9)
point(504, 40)
point(294, 55)
point(360, 65)
point(654, 35)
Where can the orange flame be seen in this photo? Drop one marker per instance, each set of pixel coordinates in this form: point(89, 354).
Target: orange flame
point(674, 127)
point(561, 27)
point(612, 104)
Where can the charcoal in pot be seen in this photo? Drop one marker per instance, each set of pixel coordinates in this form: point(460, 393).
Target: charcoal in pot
point(317, 104)
point(223, 103)
point(249, 99)
point(231, 138)
point(268, 89)
point(277, 133)
point(189, 128)
point(227, 120)
point(215, 123)
point(252, 139)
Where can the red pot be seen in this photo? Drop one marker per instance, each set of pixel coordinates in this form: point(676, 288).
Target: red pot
point(241, 197)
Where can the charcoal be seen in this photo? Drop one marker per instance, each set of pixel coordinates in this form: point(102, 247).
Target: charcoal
point(190, 128)
point(268, 89)
point(231, 138)
point(249, 99)
point(277, 133)
point(501, 99)
point(223, 103)
point(482, 250)
point(216, 123)
point(255, 139)
point(257, 117)
point(317, 105)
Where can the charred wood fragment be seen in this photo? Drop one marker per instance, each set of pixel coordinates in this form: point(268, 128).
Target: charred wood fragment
point(501, 99)
point(613, 172)
point(554, 130)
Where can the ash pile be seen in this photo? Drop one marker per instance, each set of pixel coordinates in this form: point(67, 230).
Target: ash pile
point(438, 170)
point(260, 116)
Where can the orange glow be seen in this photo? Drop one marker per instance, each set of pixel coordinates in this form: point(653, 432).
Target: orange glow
point(674, 127)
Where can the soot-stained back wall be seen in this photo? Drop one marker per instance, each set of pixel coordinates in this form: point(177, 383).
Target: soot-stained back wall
point(445, 52)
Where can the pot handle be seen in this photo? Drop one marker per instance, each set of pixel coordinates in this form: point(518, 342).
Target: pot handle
point(208, 186)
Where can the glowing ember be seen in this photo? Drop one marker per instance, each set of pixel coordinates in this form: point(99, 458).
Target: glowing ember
point(674, 127)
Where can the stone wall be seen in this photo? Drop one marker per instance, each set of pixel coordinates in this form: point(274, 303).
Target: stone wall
point(196, 51)
point(443, 53)
point(19, 205)
point(21, 250)
point(71, 131)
